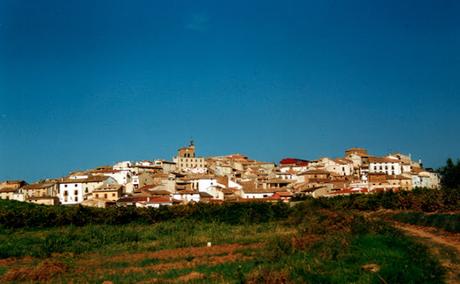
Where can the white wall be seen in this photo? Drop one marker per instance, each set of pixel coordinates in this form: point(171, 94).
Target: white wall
point(187, 197)
point(387, 168)
point(256, 195)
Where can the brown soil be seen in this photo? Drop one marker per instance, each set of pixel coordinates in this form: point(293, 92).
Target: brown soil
point(184, 252)
point(98, 260)
point(432, 236)
point(20, 269)
point(42, 272)
point(7, 261)
point(181, 264)
point(191, 276)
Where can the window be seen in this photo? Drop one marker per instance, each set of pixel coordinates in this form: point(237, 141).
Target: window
point(75, 192)
point(105, 195)
point(113, 194)
point(65, 185)
point(76, 185)
point(65, 193)
point(76, 198)
point(97, 195)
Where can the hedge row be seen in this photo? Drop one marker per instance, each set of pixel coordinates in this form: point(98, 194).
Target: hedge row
point(427, 200)
point(15, 214)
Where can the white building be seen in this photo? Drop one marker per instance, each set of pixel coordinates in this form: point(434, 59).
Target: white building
point(74, 190)
point(208, 184)
point(257, 193)
point(426, 179)
point(187, 196)
point(387, 166)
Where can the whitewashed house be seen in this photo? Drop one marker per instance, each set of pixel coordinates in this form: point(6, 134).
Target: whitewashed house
point(75, 189)
point(385, 165)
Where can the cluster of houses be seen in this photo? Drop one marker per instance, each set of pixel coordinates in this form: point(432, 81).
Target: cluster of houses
point(232, 178)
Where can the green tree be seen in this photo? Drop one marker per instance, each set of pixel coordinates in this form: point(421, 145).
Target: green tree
point(450, 174)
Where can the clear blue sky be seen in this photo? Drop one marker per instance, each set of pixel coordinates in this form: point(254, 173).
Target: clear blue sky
point(87, 83)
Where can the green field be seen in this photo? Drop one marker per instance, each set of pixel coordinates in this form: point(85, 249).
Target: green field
point(309, 244)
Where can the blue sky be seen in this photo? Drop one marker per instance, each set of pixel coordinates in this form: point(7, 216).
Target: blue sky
point(85, 84)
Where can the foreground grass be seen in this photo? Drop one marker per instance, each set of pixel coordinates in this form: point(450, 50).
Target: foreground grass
point(111, 239)
point(311, 245)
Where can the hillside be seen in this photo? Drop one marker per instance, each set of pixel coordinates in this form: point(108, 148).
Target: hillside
point(252, 243)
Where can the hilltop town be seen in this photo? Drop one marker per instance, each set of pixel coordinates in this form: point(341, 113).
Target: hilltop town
point(189, 178)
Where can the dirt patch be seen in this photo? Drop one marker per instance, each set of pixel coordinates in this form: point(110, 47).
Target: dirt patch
point(42, 272)
point(436, 240)
point(183, 252)
point(447, 239)
point(7, 261)
point(97, 260)
point(181, 279)
point(182, 264)
point(191, 276)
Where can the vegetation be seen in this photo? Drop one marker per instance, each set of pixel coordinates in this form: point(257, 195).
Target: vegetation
point(15, 214)
point(332, 247)
point(306, 243)
point(448, 222)
point(451, 174)
point(419, 199)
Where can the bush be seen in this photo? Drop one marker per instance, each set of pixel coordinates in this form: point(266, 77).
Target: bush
point(423, 199)
point(15, 214)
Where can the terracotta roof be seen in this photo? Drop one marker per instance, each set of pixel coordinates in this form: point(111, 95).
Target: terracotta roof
point(205, 194)
point(12, 182)
point(382, 160)
point(186, 191)
point(39, 185)
point(278, 180)
point(160, 192)
point(108, 187)
point(284, 193)
point(262, 190)
point(341, 161)
point(148, 187)
point(85, 180)
point(8, 189)
point(310, 172)
point(348, 191)
point(159, 200)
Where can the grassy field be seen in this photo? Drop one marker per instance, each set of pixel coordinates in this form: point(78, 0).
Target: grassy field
point(310, 245)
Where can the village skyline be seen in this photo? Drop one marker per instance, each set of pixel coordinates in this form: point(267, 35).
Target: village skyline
point(190, 178)
point(276, 161)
